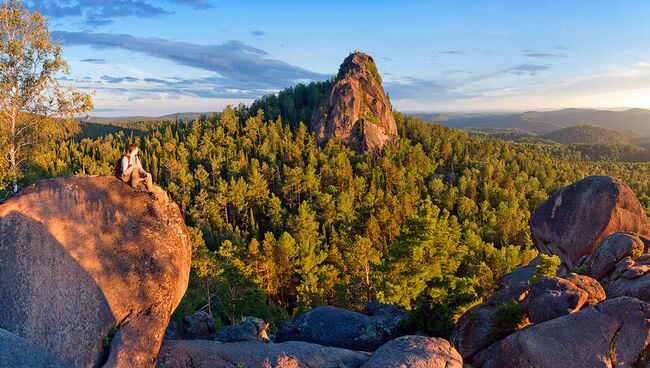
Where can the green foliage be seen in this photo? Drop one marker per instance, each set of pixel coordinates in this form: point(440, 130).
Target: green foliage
point(372, 118)
point(591, 134)
point(294, 105)
point(581, 269)
point(437, 309)
point(547, 267)
point(509, 317)
point(280, 225)
point(372, 68)
point(109, 338)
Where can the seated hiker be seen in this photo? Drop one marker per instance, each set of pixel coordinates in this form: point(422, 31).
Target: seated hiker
point(129, 169)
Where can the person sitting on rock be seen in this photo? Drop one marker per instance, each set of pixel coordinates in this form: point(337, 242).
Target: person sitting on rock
point(130, 170)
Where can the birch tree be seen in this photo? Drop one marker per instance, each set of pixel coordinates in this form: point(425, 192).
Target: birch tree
point(31, 94)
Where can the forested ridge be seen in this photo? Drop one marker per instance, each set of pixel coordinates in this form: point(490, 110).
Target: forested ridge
point(282, 225)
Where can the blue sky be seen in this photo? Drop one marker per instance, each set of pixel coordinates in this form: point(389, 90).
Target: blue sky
point(155, 57)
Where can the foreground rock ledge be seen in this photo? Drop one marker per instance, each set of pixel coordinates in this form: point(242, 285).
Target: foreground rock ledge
point(293, 354)
point(82, 255)
point(16, 352)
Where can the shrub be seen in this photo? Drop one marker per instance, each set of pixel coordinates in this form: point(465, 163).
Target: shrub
point(547, 267)
point(109, 338)
point(372, 118)
point(581, 269)
point(509, 318)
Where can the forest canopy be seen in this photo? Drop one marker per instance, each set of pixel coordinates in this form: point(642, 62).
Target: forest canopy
point(281, 225)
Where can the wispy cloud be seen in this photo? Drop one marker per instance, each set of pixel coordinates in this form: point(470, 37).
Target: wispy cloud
point(235, 63)
point(258, 33)
point(93, 61)
point(410, 88)
point(457, 71)
point(198, 4)
point(103, 12)
point(542, 55)
point(114, 80)
point(526, 69)
point(449, 52)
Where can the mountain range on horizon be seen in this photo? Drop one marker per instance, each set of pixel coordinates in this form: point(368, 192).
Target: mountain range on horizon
point(535, 122)
point(543, 122)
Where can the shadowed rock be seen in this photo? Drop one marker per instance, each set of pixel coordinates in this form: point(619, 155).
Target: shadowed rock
point(295, 354)
point(16, 352)
point(415, 352)
point(633, 279)
point(581, 215)
point(615, 332)
point(515, 292)
point(611, 250)
point(552, 297)
point(356, 110)
point(519, 275)
point(251, 329)
point(333, 326)
point(82, 255)
point(474, 330)
point(199, 325)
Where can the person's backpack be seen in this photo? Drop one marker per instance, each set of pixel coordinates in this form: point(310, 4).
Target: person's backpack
point(118, 166)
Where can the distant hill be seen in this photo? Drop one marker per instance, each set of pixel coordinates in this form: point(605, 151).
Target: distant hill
point(591, 134)
point(542, 122)
point(490, 120)
point(174, 116)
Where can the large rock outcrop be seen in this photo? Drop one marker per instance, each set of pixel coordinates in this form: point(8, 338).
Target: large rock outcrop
point(614, 333)
point(356, 109)
point(576, 218)
point(333, 326)
point(294, 354)
point(595, 313)
point(82, 256)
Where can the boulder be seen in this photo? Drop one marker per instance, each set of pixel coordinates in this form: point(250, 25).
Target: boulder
point(355, 109)
point(199, 325)
point(16, 352)
point(576, 218)
point(172, 331)
point(516, 292)
point(595, 292)
point(610, 251)
point(633, 282)
point(415, 352)
point(295, 354)
point(552, 297)
point(622, 266)
point(84, 255)
point(333, 326)
point(251, 329)
point(615, 332)
point(519, 275)
point(474, 330)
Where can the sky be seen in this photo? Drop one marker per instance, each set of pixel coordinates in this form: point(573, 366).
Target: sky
point(155, 57)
